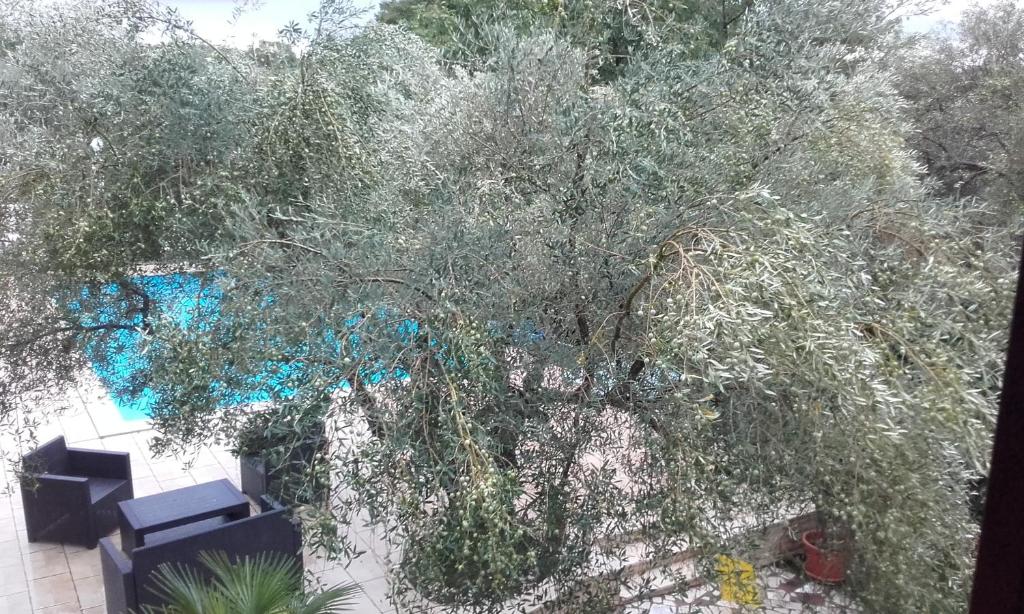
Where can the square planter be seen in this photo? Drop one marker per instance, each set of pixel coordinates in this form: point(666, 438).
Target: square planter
point(254, 476)
point(259, 479)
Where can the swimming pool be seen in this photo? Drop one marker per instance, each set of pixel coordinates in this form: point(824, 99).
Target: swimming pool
point(191, 302)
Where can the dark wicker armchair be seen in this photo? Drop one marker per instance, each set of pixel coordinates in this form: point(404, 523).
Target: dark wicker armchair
point(71, 495)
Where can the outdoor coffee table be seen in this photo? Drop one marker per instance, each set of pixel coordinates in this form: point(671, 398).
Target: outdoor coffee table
point(174, 508)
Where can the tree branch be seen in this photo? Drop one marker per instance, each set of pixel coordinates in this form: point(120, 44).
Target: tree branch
point(77, 328)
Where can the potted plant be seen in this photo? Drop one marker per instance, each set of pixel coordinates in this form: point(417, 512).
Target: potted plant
point(827, 554)
point(266, 584)
point(282, 453)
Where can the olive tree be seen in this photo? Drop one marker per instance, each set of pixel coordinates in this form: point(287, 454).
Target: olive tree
point(128, 139)
point(565, 309)
point(608, 31)
point(965, 84)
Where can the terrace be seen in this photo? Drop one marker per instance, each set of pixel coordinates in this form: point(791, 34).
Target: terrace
point(54, 578)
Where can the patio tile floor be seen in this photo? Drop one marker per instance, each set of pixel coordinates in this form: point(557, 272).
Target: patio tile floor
point(52, 578)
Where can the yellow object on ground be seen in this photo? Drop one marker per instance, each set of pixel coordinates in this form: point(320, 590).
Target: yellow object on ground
point(738, 581)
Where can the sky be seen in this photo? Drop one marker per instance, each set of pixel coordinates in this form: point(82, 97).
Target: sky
point(948, 12)
point(213, 18)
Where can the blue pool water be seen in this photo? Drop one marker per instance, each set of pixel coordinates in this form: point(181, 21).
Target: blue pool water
point(192, 303)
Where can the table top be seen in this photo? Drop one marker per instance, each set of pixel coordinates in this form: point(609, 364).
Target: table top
point(173, 507)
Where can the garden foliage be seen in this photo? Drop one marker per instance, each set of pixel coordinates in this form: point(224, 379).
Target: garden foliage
point(701, 291)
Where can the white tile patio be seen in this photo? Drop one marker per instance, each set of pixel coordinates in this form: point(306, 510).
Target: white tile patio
point(50, 578)
point(53, 578)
